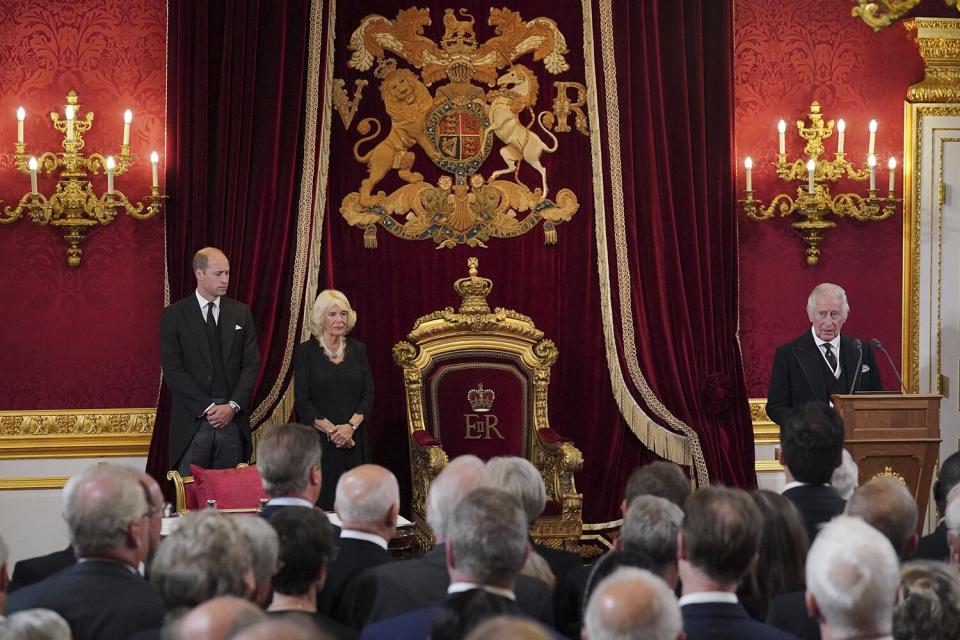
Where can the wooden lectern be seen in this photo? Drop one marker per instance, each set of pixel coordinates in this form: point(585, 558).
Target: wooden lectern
point(889, 434)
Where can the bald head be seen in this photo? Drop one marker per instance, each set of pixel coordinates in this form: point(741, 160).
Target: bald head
point(212, 270)
point(632, 603)
point(886, 505)
point(154, 507)
point(461, 476)
point(368, 498)
point(281, 629)
point(219, 618)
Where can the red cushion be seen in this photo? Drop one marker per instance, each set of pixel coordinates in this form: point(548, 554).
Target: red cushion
point(231, 488)
point(190, 496)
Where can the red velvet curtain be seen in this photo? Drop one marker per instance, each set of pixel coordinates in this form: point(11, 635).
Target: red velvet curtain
point(237, 79)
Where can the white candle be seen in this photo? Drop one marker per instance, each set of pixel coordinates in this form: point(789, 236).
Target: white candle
point(841, 127)
point(872, 161)
point(127, 119)
point(154, 159)
point(32, 164)
point(748, 165)
point(892, 165)
point(782, 129)
point(21, 116)
point(110, 166)
point(873, 137)
point(811, 167)
point(70, 114)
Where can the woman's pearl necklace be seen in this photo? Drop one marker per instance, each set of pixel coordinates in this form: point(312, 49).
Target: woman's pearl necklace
point(334, 355)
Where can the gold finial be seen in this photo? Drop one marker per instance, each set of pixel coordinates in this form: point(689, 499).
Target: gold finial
point(473, 290)
point(473, 265)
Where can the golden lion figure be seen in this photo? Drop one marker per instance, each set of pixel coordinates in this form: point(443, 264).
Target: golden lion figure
point(518, 92)
point(408, 102)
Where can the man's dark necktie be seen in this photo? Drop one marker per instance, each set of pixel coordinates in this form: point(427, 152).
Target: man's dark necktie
point(211, 321)
point(828, 354)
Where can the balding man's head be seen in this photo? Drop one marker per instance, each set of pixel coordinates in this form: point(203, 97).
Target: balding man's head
point(886, 505)
point(154, 497)
point(281, 629)
point(212, 270)
point(461, 476)
point(368, 498)
point(632, 603)
point(219, 619)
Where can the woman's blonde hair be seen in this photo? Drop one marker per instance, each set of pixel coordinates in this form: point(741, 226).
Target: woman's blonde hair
point(326, 299)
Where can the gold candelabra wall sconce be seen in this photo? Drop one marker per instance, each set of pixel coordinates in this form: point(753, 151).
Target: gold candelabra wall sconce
point(814, 201)
point(74, 207)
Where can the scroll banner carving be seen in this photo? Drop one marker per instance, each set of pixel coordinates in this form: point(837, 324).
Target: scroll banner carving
point(458, 125)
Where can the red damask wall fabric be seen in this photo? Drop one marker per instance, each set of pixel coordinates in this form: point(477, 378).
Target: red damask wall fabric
point(83, 337)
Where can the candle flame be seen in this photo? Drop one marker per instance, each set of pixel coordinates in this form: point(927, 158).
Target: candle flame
point(110, 163)
point(32, 163)
point(841, 125)
point(873, 126)
point(892, 163)
point(782, 126)
point(21, 114)
point(872, 160)
point(154, 157)
point(748, 162)
point(127, 116)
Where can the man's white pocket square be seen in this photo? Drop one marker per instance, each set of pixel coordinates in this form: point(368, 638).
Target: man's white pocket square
point(865, 368)
point(237, 327)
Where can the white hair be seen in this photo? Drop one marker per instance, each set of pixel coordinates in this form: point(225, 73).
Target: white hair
point(264, 545)
point(828, 289)
point(518, 477)
point(952, 514)
point(326, 299)
point(35, 624)
point(462, 475)
point(650, 526)
point(371, 507)
point(644, 607)
point(99, 504)
point(846, 477)
point(853, 573)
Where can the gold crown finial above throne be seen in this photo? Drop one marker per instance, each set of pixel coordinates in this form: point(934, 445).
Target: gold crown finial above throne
point(473, 290)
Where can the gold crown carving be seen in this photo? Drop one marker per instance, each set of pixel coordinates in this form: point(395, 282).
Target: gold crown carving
point(385, 67)
point(480, 399)
point(473, 290)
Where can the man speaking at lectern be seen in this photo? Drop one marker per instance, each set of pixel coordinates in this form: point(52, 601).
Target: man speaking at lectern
point(821, 362)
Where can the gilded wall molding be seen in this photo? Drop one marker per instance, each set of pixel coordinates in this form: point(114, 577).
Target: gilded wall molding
point(27, 484)
point(765, 430)
point(76, 433)
point(939, 42)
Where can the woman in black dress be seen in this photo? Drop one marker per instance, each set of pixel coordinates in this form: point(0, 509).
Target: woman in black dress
point(334, 389)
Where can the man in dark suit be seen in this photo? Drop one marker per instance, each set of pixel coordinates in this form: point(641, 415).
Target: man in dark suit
point(633, 603)
point(934, 545)
point(288, 459)
point(208, 349)
point(398, 587)
point(811, 447)
point(821, 362)
point(485, 549)
point(716, 547)
point(32, 570)
point(103, 595)
point(367, 501)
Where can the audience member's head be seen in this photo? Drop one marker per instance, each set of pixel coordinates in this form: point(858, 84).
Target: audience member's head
point(608, 564)
point(219, 619)
point(508, 628)
point(462, 475)
point(35, 624)
point(951, 519)
point(105, 507)
point(662, 479)
point(205, 556)
point(288, 459)
point(282, 629)
point(949, 478)
point(518, 477)
point(846, 477)
point(852, 579)
point(537, 567)
point(929, 602)
point(486, 539)
point(368, 499)
point(650, 526)
point(306, 546)
point(782, 553)
point(719, 539)
point(462, 612)
point(811, 443)
point(886, 505)
point(264, 547)
point(633, 604)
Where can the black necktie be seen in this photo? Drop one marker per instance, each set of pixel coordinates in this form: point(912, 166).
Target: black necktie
point(211, 321)
point(831, 359)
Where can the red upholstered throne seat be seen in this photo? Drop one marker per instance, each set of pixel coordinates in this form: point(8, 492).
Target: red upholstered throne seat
point(236, 489)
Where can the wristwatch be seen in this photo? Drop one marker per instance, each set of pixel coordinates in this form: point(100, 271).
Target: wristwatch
point(234, 406)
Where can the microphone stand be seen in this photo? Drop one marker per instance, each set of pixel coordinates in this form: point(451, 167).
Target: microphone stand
point(876, 344)
point(856, 373)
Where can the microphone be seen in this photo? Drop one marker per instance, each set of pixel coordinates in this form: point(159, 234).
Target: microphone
point(876, 345)
point(856, 372)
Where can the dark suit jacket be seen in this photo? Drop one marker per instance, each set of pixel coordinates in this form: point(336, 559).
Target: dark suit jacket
point(800, 373)
point(817, 504)
point(788, 612)
point(353, 556)
point(188, 366)
point(569, 600)
point(98, 599)
point(560, 561)
point(723, 621)
point(934, 546)
point(33, 570)
point(398, 587)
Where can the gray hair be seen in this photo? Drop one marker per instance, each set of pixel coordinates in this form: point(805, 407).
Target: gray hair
point(206, 556)
point(462, 475)
point(885, 504)
point(326, 299)
point(952, 514)
point(371, 507)
point(285, 456)
point(853, 573)
point(100, 503)
point(35, 624)
point(518, 477)
point(264, 545)
point(650, 526)
point(846, 477)
point(832, 290)
point(488, 533)
point(641, 606)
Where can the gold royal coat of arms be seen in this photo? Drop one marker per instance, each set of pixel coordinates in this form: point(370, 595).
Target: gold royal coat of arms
point(458, 126)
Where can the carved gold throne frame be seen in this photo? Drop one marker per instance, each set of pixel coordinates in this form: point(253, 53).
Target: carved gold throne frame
point(447, 350)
